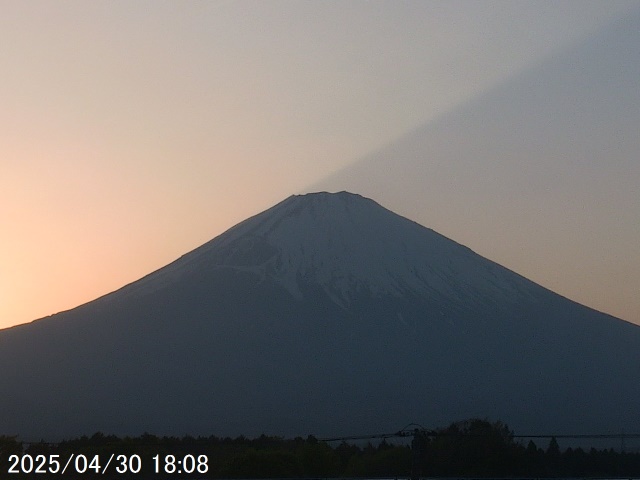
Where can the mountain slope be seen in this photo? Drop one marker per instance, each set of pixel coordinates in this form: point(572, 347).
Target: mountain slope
point(325, 314)
point(547, 160)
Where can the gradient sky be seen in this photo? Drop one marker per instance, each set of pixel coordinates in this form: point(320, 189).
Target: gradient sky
point(132, 132)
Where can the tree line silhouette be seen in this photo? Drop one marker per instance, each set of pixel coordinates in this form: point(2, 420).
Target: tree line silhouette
point(471, 448)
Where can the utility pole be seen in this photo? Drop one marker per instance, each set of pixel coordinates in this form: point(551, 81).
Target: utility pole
point(418, 444)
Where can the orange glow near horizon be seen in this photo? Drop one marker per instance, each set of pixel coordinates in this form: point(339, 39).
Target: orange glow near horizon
point(133, 132)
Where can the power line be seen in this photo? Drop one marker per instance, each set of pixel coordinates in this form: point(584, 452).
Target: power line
point(433, 433)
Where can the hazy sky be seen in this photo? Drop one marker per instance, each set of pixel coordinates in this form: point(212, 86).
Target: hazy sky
point(132, 132)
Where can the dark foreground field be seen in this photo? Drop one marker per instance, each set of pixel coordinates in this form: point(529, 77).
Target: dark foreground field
point(472, 448)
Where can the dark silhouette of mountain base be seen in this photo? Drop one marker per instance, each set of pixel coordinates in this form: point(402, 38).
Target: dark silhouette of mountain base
point(326, 314)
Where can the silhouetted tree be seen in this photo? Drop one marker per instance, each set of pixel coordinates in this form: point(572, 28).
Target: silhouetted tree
point(8, 446)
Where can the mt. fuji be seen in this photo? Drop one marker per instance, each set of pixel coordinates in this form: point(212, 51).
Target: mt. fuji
point(325, 314)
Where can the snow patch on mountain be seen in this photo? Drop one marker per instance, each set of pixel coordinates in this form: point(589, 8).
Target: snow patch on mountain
point(347, 244)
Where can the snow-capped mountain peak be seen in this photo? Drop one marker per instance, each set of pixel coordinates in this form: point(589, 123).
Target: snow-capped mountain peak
point(348, 245)
point(325, 314)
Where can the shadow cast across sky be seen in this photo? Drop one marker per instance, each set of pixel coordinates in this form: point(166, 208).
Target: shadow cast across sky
point(540, 173)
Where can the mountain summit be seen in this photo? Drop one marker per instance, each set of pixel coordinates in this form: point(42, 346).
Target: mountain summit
point(348, 246)
point(325, 314)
